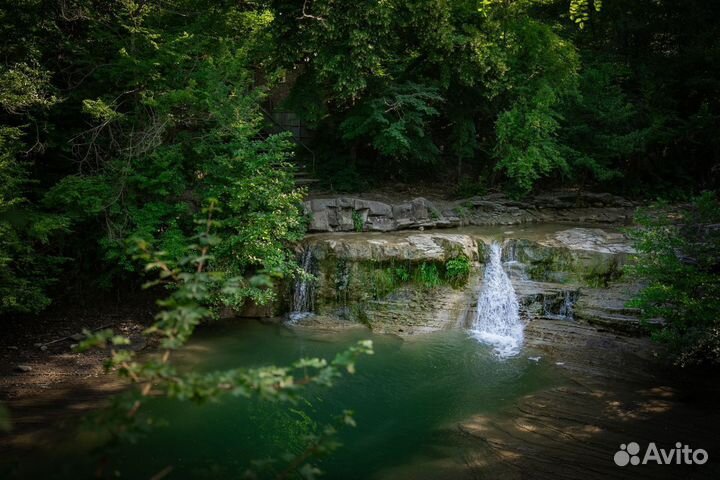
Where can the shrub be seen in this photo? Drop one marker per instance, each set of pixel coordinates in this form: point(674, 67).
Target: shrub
point(427, 275)
point(402, 274)
point(457, 270)
point(358, 222)
point(679, 258)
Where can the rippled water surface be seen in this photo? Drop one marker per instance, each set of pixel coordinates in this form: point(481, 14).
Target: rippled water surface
point(407, 399)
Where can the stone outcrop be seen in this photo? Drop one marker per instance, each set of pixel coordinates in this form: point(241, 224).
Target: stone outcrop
point(606, 308)
point(377, 280)
point(591, 240)
point(430, 247)
point(346, 213)
point(575, 274)
point(565, 274)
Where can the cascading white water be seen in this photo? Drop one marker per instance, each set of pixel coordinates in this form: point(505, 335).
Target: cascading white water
point(303, 302)
point(498, 313)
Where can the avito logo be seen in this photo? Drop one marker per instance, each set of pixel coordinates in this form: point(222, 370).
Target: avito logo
point(680, 455)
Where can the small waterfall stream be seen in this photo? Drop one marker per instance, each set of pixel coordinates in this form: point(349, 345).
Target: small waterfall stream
point(303, 300)
point(497, 322)
point(560, 306)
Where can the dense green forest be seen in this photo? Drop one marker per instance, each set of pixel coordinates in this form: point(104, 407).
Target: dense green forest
point(140, 147)
point(122, 119)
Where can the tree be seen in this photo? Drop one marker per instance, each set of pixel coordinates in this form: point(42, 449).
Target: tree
point(159, 113)
point(427, 78)
point(25, 232)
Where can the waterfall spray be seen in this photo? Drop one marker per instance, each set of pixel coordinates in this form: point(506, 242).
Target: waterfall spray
point(497, 322)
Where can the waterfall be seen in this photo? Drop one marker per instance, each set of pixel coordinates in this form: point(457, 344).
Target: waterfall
point(557, 308)
point(567, 307)
point(498, 313)
point(303, 300)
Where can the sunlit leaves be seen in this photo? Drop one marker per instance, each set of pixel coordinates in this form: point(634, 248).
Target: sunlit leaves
point(542, 70)
point(99, 110)
point(580, 10)
point(24, 86)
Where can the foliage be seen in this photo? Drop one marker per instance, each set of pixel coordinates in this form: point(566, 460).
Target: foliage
point(678, 257)
point(427, 275)
point(358, 221)
point(601, 275)
point(527, 145)
point(339, 175)
point(383, 278)
point(649, 91)
point(159, 113)
point(396, 123)
point(580, 11)
point(119, 119)
point(601, 125)
point(524, 91)
point(24, 231)
point(402, 273)
point(381, 282)
point(467, 66)
point(192, 282)
point(457, 269)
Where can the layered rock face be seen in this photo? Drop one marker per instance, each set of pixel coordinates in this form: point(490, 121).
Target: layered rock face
point(345, 214)
point(433, 247)
point(575, 274)
point(394, 283)
point(398, 282)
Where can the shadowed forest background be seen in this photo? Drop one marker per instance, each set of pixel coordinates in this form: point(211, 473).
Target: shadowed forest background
point(120, 119)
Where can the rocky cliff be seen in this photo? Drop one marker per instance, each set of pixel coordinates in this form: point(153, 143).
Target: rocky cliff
point(345, 213)
point(399, 282)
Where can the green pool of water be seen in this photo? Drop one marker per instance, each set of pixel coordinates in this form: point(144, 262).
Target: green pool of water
point(407, 399)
